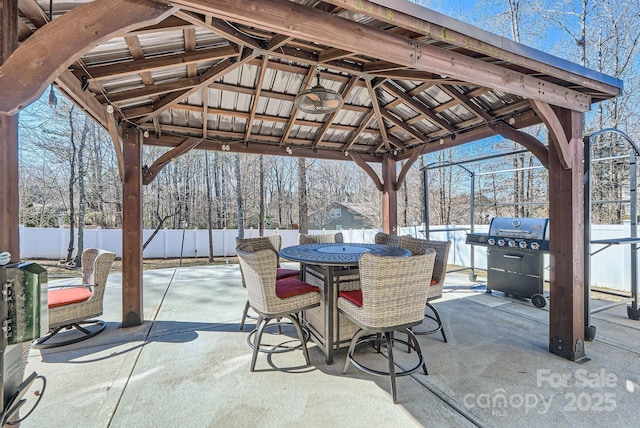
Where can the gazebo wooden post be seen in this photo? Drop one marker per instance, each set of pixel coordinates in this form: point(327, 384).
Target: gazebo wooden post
point(566, 302)
point(132, 310)
point(9, 219)
point(389, 196)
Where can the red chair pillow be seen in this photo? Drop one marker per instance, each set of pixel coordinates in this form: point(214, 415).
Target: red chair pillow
point(282, 273)
point(68, 296)
point(354, 296)
point(290, 287)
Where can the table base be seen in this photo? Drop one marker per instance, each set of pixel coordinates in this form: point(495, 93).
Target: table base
point(325, 323)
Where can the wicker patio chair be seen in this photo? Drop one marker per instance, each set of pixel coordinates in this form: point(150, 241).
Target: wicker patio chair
point(386, 239)
point(391, 298)
point(420, 246)
point(76, 306)
point(321, 239)
point(271, 242)
point(272, 299)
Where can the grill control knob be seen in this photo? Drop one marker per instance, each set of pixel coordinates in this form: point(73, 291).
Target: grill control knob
point(511, 243)
point(522, 244)
point(491, 241)
point(501, 242)
point(535, 246)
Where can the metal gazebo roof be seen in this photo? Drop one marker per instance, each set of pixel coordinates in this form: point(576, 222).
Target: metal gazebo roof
point(227, 72)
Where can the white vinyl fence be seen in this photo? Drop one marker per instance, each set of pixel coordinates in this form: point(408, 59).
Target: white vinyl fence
point(609, 268)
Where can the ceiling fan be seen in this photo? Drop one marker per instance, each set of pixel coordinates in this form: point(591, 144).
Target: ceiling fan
point(318, 100)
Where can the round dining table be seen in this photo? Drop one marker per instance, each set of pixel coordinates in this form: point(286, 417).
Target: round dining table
point(332, 260)
point(338, 254)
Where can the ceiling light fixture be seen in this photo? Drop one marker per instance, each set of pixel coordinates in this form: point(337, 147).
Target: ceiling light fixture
point(289, 150)
point(318, 100)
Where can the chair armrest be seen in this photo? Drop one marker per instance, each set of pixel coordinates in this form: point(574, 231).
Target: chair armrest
point(62, 287)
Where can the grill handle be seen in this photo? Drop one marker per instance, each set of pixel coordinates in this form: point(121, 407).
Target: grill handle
point(510, 256)
point(515, 232)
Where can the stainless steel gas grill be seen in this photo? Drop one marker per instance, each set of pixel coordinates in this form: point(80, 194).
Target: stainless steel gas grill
point(515, 248)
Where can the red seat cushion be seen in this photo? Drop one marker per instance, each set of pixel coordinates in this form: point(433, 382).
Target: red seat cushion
point(286, 273)
point(354, 296)
point(434, 282)
point(68, 296)
point(289, 287)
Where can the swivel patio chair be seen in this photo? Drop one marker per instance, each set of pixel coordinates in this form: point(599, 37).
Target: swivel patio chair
point(76, 306)
point(321, 239)
point(391, 298)
point(420, 246)
point(272, 299)
point(273, 243)
point(386, 239)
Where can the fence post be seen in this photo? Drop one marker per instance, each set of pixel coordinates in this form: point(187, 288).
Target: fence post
point(224, 245)
point(62, 240)
point(98, 237)
point(166, 242)
point(195, 242)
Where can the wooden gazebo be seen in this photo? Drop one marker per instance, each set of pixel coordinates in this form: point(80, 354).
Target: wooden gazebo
point(224, 74)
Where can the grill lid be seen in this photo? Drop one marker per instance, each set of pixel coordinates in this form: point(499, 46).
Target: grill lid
point(520, 227)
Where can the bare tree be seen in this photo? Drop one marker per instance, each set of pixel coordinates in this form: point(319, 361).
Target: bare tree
point(303, 220)
point(239, 202)
point(207, 173)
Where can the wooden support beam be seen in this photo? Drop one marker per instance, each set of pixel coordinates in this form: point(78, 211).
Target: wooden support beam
point(415, 154)
point(367, 168)
point(181, 85)
point(418, 106)
point(426, 22)
point(402, 125)
point(70, 86)
point(297, 20)
point(22, 79)
point(132, 309)
point(169, 23)
point(222, 28)
point(150, 173)
point(215, 72)
point(333, 54)
point(376, 109)
point(256, 97)
point(190, 46)
point(363, 125)
point(276, 42)
point(530, 142)
point(389, 196)
point(522, 121)
point(275, 150)
point(157, 63)
point(566, 254)
point(466, 102)
point(205, 115)
point(115, 132)
point(33, 12)
point(555, 128)
point(9, 178)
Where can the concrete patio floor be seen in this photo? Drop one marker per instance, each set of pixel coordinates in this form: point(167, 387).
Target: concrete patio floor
point(188, 366)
